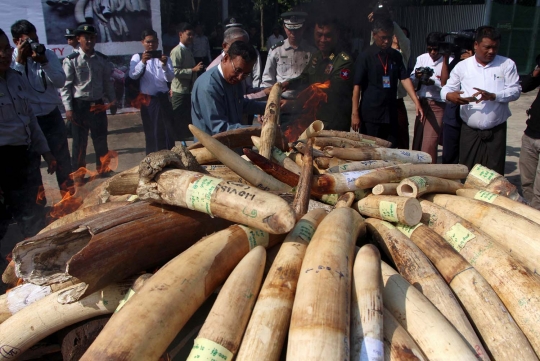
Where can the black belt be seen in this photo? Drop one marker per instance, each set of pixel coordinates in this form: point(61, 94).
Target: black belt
point(91, 102)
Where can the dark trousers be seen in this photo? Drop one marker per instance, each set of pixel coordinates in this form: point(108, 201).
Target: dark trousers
point(450, 152)
point(84, 121)
point(403, 125)
point(20, 181)
point(386, 131)
point(155, 116)
point(54, 129)
point(181, 104)
point(485, 147)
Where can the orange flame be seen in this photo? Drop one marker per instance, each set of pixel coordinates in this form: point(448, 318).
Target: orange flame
point(311, 97)
point(140, 100)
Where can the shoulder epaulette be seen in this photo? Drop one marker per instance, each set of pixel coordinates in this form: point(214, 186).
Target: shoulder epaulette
point(277, 45)
point(20, 72)
point(73, 55)
point(101, 54)
point(345, 56)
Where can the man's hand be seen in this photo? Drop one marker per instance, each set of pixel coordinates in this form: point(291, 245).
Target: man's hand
point(164, 59)
point(268, 90)
point(419, 111)
point(24, 51)
point(284, 86)
point(145, 57)
point(198, 67)
point(42, 59)
point(355, 122)
point(370, 17)
point(69, 115)
point(484, 95)
point(113, 108)
point(455, 97)
point(286, 105)
point(51, 162)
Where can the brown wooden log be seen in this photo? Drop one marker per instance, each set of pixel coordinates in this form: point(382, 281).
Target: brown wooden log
point(303, 190)
point(417, 186)
point(269, 323)
point(225, 325)
point(353, 136)
point(320, 318)
point(367, 338)
point(512, 282)
point(390, 208)
point(428, 327)
point(501, 335)
point(361, 165)
point(416, 268)
point(280, 157)
point(482, 177)
point(112, 245)
point(238, 138)
point(399, 155)
point(385, 189)
point(398, 344)
point(83, 213)
point(515, 234)
point(503, 202)
point(9, 277)
point(394, 174)
point(313, 128)
point(187, 280)
point(80, 336)
point(244, 169)
point(236, 202)
point(271, 121)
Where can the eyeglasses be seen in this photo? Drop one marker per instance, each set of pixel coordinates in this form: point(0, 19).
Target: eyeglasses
point(238, 71)
point(7, 51)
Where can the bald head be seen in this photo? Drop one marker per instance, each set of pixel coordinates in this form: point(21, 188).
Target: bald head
point(234, 34)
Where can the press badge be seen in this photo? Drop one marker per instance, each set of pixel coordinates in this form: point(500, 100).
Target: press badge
point(386, 81)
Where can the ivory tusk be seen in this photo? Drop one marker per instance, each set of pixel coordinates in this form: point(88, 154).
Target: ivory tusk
point(271, 121)
point(385, 189)
point(366, 153)
point(417, 186)
point(391, 208)
point(353, 136)
point(314, 127)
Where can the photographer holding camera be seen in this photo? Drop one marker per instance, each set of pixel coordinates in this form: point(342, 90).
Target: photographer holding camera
point(427, 79)
point(154, 70)
point(529, 166)
point(43, 74)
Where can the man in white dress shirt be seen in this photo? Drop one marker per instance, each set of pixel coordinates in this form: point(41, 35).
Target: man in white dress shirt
point(483, 85)
point(154, 71)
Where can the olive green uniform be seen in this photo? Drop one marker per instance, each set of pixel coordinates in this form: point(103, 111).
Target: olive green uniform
point(337, 68)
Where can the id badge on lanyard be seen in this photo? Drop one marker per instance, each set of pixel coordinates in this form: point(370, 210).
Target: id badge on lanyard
point(386, 77)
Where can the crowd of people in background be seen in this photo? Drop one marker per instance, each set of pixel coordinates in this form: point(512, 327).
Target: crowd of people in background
point(221, 82)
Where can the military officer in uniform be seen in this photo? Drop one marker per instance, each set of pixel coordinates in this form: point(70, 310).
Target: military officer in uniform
point(71, 39)
point(329, 64)
point(288, 58)
point(88, 82)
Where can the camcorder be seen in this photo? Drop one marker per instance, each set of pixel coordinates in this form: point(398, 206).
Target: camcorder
point(425, 76)
point(463, 41)
point(381, 10)
point(36, 47)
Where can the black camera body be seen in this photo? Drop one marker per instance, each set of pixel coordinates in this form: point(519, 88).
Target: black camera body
point(426, 72)
point(463, 40)
point(36, 47)
point(155, 53)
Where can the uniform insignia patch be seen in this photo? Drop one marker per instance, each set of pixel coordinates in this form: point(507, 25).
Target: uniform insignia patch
point(328, 69)
point(345, 57)
point(332, 56)
point(345, 74)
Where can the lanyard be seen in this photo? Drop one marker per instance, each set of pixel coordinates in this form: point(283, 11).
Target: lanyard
point(385, 65)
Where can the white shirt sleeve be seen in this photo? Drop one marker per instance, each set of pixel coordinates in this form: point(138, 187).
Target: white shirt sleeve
point(453, 83)
point(512, 89)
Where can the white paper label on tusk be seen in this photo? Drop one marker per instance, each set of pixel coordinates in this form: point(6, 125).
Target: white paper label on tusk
point(372, 349)
point(208, 350)
point(199, 194)
point(256, 237)
point(24, 295)
point(278, 155)
point(350, 177)
point(126, 298)
point(484, 174)
point(407, 230)
point(486, 196)
point(388, 211)
point(458, 236)
point(304, 230)
point(330, 198)
point(420, 182)
point(368, 141)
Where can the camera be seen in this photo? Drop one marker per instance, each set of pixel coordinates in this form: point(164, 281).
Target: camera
point(155, 53)
point(36, 47)
point(381, 10)
point(463, 40)
point(538, 60)
point(426, 74)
